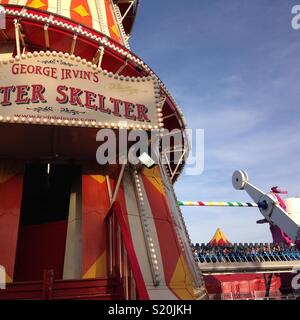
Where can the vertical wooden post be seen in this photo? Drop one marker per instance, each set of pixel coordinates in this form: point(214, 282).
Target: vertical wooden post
point(48, 284)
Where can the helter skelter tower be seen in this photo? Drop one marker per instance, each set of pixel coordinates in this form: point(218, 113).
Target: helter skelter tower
point(70, 227)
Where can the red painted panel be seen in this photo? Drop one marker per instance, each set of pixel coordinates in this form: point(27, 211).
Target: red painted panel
point(239, 277)
point(239, 282)
point(112, 25)
point(95, 205)
point(41, 247)
point(10, 204)
point(80, 11)
point(169, 246)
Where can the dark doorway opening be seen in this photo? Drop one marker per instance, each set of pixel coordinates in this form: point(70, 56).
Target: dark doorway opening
point(44, 220)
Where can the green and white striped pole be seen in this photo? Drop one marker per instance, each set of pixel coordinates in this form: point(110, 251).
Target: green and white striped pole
point(216, 204)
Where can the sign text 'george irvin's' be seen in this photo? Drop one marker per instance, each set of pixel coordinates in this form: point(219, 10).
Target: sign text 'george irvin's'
point(54, 72)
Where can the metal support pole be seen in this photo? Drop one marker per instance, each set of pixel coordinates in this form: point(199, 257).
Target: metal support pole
point(109, 188)
point(101, 56)
point(73, 44)
point(123, 66)
point(17, 34)
point(125, 14)
point(46, 34)
point(118, 184)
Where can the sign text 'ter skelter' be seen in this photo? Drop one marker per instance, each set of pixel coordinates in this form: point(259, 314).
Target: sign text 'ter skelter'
point(62, 88)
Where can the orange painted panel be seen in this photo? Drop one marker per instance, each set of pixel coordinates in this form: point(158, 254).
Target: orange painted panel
point(95, 205)
point(112, 25)
point(80, 12)
point(10, 205)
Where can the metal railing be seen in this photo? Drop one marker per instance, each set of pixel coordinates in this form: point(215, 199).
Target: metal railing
point(245, 253)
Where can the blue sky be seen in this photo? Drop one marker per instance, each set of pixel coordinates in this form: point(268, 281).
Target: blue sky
point(233, 66)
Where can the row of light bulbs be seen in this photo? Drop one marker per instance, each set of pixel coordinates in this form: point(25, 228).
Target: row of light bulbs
point(80, 123)
point(145, 222)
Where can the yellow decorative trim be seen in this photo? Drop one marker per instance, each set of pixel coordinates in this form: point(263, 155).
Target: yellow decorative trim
point(219, 236)
point(8, 279)
point(81, 10)
point(98, 269)
point(153, 176)
point(98, 178)
point(36, 4)
point(115, 30)
point(181, 282)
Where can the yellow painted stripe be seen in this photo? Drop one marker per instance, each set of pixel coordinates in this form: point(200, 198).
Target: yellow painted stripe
point(153, 176)
point(98, 269)
point(98, 178)
point(8, 279)
point(181, 282)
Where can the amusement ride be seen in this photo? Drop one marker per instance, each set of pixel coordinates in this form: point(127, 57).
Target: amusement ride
point(71, 228)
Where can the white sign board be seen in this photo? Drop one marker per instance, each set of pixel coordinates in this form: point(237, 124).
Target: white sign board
point(51, 88)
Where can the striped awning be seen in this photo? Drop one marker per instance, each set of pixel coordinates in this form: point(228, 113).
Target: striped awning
point(99, 15)
point(219, 238)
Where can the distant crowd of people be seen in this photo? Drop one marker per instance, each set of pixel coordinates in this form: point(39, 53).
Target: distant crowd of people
point(246, 252)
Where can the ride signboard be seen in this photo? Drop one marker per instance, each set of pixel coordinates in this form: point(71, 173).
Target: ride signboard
point(52, 88)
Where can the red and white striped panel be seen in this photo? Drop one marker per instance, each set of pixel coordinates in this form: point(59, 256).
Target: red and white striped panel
point(96, 14)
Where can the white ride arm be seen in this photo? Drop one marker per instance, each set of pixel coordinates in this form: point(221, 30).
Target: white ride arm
point(268, 206)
